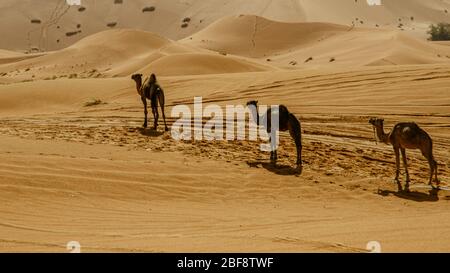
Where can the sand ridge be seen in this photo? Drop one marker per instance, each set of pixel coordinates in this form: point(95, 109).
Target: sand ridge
point(292, 45)
point(52, 25)
point(236, 44)
point(126, 52)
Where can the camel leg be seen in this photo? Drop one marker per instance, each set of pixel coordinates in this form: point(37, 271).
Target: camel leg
point(272, 152)
point(433, 166)
point(156, 117)
point(296, 134)
point(436, 173)
point(299, 156)
point(144, 101)
point(161, 99)
point(432, 172)
point(397, 165)
point(405, 164)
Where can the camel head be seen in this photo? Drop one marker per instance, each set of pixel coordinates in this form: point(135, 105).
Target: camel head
point(137, 77)
point(253, 102)
point(377, 122)
point(378, 130)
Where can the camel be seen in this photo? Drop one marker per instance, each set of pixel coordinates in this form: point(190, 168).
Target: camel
point(287, 122)
point(152, 91)
point(406, 136)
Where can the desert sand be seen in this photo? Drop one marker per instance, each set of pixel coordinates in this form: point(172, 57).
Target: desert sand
point(73, 170)
point(50, 24)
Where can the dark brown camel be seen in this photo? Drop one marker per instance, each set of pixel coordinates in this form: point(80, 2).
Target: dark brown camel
point(152, 91)
point(287, 122)
point(407, 136)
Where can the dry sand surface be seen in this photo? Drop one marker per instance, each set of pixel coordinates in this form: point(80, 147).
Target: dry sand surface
point(73, 172)
point(50, 24)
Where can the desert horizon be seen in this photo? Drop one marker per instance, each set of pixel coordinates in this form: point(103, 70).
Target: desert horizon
point(349, 84)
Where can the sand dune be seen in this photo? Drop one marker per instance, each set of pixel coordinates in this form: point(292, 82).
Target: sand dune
point(60, 26)
point(258, 37)
point(126, 52)
point(232, 45)
point(291, 45)
point(8, 54)
point(198, 64)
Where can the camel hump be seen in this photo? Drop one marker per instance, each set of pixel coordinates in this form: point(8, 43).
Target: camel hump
point(283, 108)
point(409, 130)
point(284, 112)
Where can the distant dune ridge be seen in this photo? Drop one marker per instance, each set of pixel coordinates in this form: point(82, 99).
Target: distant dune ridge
point(234, 44)
point(126, 52)
point(60, 27)
point(285, 44)
point(102, 39)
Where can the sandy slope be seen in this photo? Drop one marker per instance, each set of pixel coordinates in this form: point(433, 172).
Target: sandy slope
point(231, 45)
point(57, 19)
point(126, 52)
point(7, 56)
point(99, 179)
point(291, 45)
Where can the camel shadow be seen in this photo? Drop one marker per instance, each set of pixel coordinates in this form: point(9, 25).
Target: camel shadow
point(416, 196)
point(278, 169)
point(150, 132)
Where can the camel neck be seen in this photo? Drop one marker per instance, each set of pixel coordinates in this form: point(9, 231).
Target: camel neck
point(382, 136)
point(139, 86)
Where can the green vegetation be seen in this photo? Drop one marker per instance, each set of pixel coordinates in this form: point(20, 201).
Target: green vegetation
point(439, 32)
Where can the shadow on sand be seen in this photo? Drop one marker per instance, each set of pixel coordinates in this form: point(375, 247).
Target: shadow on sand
point(432, 195)
point(278, 169)
point(149, 132)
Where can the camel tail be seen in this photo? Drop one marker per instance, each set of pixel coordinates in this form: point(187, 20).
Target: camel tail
point(162, 98)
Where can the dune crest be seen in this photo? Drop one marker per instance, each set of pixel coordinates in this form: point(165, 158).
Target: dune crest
point(60, 27)
point(121, 52)
point(258, 37)
point(291, 45)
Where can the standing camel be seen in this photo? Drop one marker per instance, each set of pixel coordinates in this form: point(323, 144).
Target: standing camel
point(287, 122)
point(407, 136)
point(152, 91)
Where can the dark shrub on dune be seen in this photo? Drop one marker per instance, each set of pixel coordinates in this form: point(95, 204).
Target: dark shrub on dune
point(148, 9)
point(439, 32)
